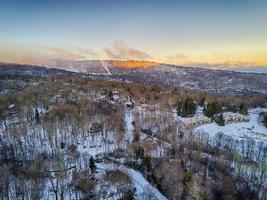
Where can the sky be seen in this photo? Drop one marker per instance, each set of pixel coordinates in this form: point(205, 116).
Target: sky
point(229, 32)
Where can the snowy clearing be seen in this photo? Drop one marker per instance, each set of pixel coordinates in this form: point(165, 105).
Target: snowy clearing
point(143, 187)
point(252, 129)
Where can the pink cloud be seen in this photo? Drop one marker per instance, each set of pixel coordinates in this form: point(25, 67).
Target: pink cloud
point(120, 50)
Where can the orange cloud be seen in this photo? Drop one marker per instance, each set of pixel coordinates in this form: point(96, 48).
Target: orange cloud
point(35, 54)
point(43, 55)
point(120, 50)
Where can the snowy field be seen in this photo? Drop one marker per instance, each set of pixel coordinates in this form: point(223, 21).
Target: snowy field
point(247, 138)
point(252, 129)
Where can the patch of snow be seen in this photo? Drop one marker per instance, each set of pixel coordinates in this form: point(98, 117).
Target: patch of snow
point(251, 129)
point(246, 138)
point(11, 106)
point(140, 183)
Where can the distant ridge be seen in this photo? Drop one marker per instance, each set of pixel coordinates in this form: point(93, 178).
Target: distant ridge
point(223, 82)
point(131, 63)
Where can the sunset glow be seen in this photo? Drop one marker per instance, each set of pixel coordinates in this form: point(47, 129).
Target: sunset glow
point(175, 32)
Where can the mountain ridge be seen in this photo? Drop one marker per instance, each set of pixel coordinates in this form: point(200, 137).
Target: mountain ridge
point(222, 82)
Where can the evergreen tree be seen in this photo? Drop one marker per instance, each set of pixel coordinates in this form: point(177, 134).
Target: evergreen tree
point(179, 108)
point(211, 108)
point(110, 95)
point(92, 165)
point(264, 121)
point(146, 166)
point(187, 107)
point(219, 120)
point(139, 152)
point(243, 109)
point(37, 116)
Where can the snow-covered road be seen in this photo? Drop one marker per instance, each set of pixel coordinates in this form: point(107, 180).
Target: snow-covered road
point(143, 187)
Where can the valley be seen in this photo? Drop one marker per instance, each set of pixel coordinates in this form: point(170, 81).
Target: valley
point(68, 135)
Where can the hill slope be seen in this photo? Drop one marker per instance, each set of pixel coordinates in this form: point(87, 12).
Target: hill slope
point(224, 82)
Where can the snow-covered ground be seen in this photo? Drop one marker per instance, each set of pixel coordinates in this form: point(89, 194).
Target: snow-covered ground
point(247, 138)
point(252, 129)
point(143, 187)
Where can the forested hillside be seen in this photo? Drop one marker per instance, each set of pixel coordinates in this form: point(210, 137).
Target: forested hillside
point(69, 137)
